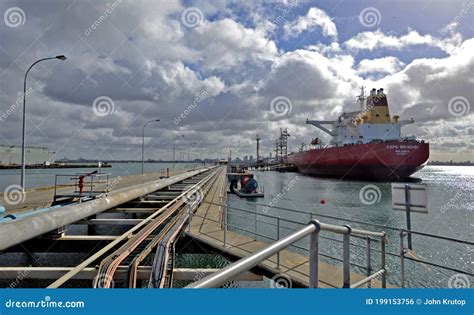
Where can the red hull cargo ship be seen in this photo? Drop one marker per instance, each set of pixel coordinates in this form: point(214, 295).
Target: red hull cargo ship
point(365, 144)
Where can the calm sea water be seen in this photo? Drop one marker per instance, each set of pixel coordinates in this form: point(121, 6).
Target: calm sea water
point(450, 203)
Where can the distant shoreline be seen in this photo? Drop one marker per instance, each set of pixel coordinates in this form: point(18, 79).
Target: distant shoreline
point(132, 161)
point(50, 166)
point(433, 163)
point(436, 163)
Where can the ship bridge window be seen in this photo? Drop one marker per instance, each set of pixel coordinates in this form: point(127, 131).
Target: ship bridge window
point(377, 115)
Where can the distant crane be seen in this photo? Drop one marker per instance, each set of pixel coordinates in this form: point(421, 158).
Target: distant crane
point(283, 145)
point(258, 147)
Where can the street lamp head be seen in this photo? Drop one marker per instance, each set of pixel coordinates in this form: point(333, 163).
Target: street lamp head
point(61, 57)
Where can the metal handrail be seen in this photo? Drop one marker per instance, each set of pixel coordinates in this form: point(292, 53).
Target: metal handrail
point(446, 238)
point(401, 231)
point(294, 245)
point(231, 271)
point(400, 254)
point(269, 216)
point(312, 229)
point(286, 227)
point(88, 184)
point(368, 279)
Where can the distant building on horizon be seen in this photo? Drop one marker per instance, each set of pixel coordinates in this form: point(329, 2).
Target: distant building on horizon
point(11, 155)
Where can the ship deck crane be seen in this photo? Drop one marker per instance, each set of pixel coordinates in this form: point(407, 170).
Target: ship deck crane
point(320, 125)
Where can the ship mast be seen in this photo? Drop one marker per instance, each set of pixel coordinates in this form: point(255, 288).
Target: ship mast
point(361, 97)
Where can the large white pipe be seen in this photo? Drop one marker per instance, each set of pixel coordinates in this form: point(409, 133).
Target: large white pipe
point(17, 231)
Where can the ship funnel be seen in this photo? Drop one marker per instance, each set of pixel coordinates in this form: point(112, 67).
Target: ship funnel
point(372, 92)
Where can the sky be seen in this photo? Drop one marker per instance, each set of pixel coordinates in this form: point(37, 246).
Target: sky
point(219, 72)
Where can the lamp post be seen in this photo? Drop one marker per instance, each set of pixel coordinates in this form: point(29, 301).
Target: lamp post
point(23, 157)
point(143, 142)
point(192, 163)
point(174, 148)
point(193, 143)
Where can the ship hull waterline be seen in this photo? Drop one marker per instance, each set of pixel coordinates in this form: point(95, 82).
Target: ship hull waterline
point(379, 161)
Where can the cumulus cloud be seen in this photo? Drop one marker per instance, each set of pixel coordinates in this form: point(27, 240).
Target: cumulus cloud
point(314, 19)
point(225, 43)
point(433, 81)
point(385, 65)
point(377, 40)
point(219, 77)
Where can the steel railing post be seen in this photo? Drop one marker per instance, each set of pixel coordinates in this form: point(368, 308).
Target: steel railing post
point(278, 237)
point(225, 225)
point(255, 229)
point(369, 261)
point(382, 260)
point(402, 260)
point(314, 256)
point(408, 214)
point(346, 258)
point(55, 187)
